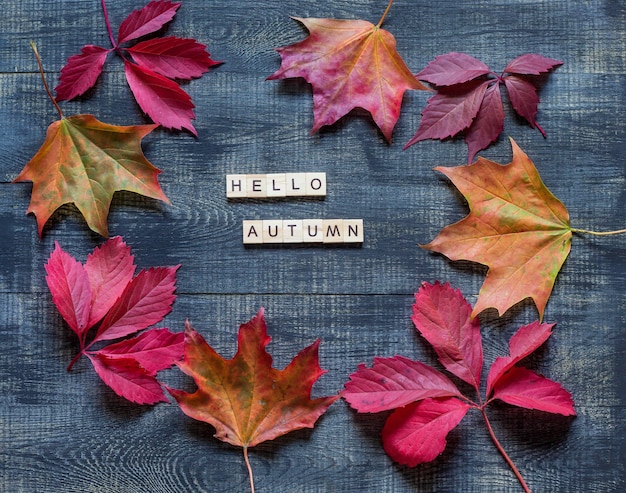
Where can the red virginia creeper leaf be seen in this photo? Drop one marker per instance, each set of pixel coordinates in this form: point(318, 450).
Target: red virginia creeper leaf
point(146, 20)
point(524, 388)
point(488, 124)
point(524, 99)
point(85, 161)
point(81, 72)
point(417, 433)
point(532, 64)
point(128, 379)
point(350, 64)
point(526, 340)
point(516, 227)
point(444, 318)
point(69, 285)
point(176, 58)
point(144, 302)
point(394, 382)
point(160, 98)
point(154, 349)
point(449, 112)
point(244, 398)
point(110, 267)
point(453, 68)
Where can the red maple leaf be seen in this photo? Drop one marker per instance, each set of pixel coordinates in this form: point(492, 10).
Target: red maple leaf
point(350, 64)
point(105, 291)
point(151, 65)
point(468, 97)
point(245, 399)
point(427, 405)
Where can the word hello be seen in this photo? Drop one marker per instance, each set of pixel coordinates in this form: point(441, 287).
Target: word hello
point(303, 231)
point(276, 185)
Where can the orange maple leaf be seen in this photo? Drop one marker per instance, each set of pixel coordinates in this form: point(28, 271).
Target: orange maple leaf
point(350, 64)
point(244, 398)
point(84, 161)
point(516, 227)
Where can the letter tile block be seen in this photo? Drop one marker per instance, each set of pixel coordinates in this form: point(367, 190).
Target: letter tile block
point(276, 185)
point(312, 231)
point(292, 231)
point(316, 184)
point(272, 231)
point(252, 232)
point(333, 230)
point(236, 186)
point(353, 231)
point(256, 186)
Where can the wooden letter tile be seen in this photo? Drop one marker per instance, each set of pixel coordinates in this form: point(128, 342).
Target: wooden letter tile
point(235, 186)
point(296, 184)
point(252, 232)
point(316, 184)
point(276, 185)
point(292, 231)
point(333, 230)
point(353, 231)
point(256, 187)
point(313, 231)
point(272, 231)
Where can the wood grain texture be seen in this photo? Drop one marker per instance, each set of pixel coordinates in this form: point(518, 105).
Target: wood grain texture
point(66, 432)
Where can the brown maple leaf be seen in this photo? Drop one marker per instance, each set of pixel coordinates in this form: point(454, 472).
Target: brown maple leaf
point(84, 161)
point(350, 64)
point(244, 398)
point(516, 227)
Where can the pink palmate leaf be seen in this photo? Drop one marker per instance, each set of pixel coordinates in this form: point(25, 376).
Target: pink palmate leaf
point(110, 267)
point(417, 433)
point(128, 379)
point(532, 64)
point(453, 68)
point(524, 98)
point(146, 20)
point(444, 318)
point(160, 98)
point(70, 289)
point(81, 72)
point(176, 58)
point(524, 388)
point(154, 349)
point(394, 382)
point(488, 124)
point(449, 112)
point(526, 340)
point(144, 302)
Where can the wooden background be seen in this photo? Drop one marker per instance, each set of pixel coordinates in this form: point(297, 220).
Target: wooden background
point(66, 432)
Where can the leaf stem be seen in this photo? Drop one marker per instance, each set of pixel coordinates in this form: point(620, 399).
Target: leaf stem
point(245, 456)
point(108, 23)
point(380, 22)
point(503, 452)
point(43, 78)
point(599, 233)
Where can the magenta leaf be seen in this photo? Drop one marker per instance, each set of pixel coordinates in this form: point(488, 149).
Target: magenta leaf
point(176, 58)
point(487, 125)
point(154, 349)
point(160, 98)
point(449, 112)
point(532, 64)
point(523, 95)
point(71, 292)
point(110, 268)
point(453, 68)
point(526, 340)
point(81, 72)
point(128, 379)
point(417, 433)
point(146, 20)
point(144, 302)
point(524, 388)
point(443, 317)
point(395, 382)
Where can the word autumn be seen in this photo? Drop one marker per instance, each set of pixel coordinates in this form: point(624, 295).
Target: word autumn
point(303, 231)
point(276, 185)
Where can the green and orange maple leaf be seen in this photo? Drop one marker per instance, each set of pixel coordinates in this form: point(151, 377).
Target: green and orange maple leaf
point(244, 398)
point(516, 227)
point(350, 64)
point(85, 161)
